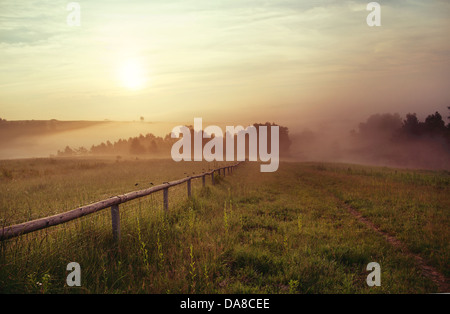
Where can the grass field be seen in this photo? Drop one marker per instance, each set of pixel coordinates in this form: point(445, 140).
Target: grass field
point(291, 231)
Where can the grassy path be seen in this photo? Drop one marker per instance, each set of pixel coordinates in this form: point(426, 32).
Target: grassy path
point(428, 270)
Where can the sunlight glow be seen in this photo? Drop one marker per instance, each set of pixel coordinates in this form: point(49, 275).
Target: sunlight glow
point(132, 75)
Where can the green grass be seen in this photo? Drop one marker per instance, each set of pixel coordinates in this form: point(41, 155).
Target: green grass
point(282, 232)
point(412, 205)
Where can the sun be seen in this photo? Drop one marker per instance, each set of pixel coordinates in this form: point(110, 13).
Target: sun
point(132, 75)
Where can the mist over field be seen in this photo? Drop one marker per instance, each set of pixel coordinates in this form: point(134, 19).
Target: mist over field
point(45, 138)
point(382, 139)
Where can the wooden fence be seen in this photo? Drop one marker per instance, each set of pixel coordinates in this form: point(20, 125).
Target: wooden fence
point(113, 202)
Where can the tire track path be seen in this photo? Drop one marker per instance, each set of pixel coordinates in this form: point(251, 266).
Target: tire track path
point(428, 271)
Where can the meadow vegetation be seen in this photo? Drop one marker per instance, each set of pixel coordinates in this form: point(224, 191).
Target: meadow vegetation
point(252, 232)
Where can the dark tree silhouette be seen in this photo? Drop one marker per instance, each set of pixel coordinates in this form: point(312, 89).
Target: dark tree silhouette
point(136, 148)
point(284, 140)
point(411, 125)
point(380, 125)
point(434, 125)
point(448, 124)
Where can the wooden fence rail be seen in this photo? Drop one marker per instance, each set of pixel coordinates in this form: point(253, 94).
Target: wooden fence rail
point(113, 202)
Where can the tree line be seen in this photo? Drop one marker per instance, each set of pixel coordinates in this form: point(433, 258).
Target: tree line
point(392, 127)
point(156, 146)
point(387, 139)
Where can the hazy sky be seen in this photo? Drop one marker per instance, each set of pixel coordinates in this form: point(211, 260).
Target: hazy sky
point(234, 61)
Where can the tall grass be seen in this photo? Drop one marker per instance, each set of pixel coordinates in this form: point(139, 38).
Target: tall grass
point(252, 232)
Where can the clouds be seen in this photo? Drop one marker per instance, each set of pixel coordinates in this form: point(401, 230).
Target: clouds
point(203, 55)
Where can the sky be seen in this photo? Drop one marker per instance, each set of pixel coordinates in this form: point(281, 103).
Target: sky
point(292, 62)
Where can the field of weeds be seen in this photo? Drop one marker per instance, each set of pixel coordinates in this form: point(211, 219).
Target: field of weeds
point(292, 231)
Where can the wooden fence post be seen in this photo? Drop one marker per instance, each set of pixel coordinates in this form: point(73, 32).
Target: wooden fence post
point(189, 187)
point(115, 218)
point(224, 172)
point(212, 177)
point(203, 181)
point(166, 199)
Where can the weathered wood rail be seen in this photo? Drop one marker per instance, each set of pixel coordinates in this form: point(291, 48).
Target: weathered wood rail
point(112, 202)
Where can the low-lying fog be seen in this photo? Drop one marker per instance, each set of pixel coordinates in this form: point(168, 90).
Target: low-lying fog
point(44, 145)
point(381, 140)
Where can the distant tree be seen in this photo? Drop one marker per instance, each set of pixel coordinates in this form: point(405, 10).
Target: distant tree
point(136, 148)
point(153, 148)
point(67, 152)
point(434, 125)
point(109, 147)
point(447, 133)
point(411, 125)
point(82, 151)
point(380, 126)
point(448, 125)
point(284, 140)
